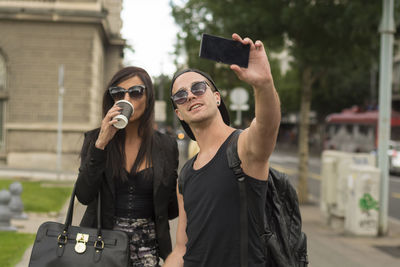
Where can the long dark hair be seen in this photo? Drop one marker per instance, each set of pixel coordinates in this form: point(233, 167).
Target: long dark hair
point(115, 148)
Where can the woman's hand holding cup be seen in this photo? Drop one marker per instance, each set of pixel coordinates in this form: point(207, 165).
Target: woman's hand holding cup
point(107, 130)
point(116, 118)
point(126, 112)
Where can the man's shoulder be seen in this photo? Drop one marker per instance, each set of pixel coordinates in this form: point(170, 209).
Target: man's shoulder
point(187, 166)
point(184, 173)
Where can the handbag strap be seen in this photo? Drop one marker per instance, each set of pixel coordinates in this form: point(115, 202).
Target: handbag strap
point(63, 237)
point(98, 216)
point(234, 163)
point(68, 219)
point(70, 213)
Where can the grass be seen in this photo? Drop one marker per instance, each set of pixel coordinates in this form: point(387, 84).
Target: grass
point(37, 196)
point(13, 246)
point(41, 196)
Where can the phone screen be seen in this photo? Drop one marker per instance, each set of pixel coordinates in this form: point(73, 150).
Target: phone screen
point(224, 50)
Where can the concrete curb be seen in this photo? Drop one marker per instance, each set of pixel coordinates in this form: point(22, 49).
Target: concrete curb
point(32, 174)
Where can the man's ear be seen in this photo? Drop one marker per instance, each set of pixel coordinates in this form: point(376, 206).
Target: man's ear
point(217, 96)
point(178, 114)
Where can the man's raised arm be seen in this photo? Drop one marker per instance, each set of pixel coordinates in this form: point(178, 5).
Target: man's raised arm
point(257, 142)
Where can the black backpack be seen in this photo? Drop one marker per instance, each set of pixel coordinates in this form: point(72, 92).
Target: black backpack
point(285, 243)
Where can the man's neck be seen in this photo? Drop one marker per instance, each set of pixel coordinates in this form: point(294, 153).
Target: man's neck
point(210, 139)
point(211, 136)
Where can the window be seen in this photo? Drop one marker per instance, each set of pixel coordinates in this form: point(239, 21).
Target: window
point(3, 99)
point(2, 124)
point(2, 73)
point(395, 133)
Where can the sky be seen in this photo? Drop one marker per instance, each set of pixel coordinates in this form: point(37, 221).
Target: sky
point(149, 27)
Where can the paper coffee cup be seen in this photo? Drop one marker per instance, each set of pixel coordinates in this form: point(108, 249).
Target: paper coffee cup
point(126, 113)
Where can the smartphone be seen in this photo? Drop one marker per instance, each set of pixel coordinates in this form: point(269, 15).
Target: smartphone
point(224, 50)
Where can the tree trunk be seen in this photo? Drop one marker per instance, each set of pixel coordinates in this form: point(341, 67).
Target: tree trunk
point(302, 187)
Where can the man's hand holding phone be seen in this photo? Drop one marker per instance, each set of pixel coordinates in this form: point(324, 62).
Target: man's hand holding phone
point(247, 59)
point(258, 72)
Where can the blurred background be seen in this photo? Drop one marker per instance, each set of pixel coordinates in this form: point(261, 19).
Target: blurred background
point(324, 57)
point(56, 57)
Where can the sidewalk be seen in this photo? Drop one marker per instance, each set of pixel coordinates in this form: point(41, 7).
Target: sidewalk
point(327, 247)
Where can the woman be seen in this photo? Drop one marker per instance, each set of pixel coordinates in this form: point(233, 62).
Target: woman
point(135, 169)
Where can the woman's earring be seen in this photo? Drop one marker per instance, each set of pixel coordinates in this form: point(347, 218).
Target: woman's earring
point(218, 103)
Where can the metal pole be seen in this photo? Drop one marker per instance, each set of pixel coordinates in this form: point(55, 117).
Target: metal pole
point(238, 116)
point(161, 124)
point(387, 30)
point(60, 118)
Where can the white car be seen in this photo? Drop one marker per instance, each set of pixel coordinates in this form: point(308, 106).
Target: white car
point(394, 157)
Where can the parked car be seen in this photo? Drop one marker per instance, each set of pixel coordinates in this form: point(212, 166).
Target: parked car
point(394, 157)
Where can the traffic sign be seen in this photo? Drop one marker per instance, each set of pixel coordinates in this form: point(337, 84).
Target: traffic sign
point(239, 96)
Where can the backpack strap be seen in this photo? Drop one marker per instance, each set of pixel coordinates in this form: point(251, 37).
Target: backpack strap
point(183, 174)
point(234, 163)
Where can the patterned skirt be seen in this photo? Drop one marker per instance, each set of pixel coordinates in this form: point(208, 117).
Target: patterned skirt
point(142, 241)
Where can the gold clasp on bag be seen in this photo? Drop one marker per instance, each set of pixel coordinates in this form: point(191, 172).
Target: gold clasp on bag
point(81, 240)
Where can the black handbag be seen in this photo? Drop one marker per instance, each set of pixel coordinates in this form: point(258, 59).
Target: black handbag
point(62, 245)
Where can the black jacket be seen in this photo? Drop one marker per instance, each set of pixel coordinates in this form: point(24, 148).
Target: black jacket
point(94, 176)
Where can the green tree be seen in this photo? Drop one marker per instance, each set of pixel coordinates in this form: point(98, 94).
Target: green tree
point(333, 44)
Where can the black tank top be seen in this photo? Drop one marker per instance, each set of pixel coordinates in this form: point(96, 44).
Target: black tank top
point(211, 202)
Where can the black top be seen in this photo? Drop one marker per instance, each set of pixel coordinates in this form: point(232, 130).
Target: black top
point(134, 197)
point(94, 177)
point(211, 202)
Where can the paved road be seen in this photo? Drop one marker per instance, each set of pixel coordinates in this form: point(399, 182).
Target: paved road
point(288, 162)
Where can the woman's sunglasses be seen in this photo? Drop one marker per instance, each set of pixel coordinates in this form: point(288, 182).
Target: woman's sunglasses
point(118, 93)
point(198, 89)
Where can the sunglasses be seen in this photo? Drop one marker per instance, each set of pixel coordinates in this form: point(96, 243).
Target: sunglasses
point(118, 93)
point(198, 89)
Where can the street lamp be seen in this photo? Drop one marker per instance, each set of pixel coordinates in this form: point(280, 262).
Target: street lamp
point(387, 30)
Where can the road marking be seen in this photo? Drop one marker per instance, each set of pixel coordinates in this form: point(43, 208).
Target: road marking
point(290, 171)
point(396, 195)
point(283, 169)
point(315, 176)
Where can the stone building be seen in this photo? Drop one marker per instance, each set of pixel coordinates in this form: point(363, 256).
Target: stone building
point(36, 37)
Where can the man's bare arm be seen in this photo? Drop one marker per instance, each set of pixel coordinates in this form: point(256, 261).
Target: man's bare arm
point(258, 141)
point(175, 259)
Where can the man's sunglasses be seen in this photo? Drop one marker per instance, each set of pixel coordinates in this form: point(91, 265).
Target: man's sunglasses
point(118, 93)
point(198, 89)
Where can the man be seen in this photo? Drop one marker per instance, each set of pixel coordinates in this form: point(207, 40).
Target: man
point(209, 226)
